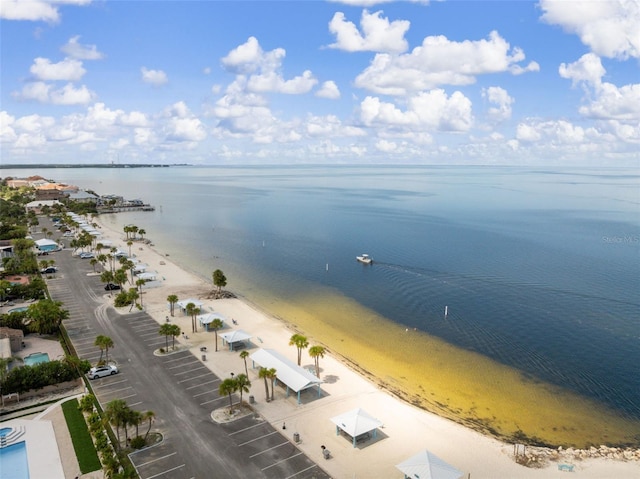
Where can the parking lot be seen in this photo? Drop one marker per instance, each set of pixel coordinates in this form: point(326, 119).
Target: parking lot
point(180, 390)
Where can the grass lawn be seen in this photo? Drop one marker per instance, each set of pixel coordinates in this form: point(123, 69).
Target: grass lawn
point(81, 438)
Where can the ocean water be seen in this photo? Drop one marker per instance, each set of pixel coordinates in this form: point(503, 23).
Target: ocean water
point(539, 268)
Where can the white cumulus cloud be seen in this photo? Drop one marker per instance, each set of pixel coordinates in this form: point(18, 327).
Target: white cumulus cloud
point(74, 49)
point(68, 69)
point(378, 33)
point(329, 90)
point(153, 77)
point(609, 28)
point(499, 97)
point(440, 61)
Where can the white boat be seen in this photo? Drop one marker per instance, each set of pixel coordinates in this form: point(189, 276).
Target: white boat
point(365, 258)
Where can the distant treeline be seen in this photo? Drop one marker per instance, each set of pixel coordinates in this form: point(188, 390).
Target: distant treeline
point(67, 165)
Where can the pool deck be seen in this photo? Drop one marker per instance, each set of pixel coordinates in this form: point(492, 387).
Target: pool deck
point(43, 455)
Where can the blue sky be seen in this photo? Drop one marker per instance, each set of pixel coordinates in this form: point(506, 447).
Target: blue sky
point(355, 81)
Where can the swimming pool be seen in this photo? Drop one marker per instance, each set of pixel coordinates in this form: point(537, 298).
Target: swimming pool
point(21, 309)
point(36, 358)
point(14, 461)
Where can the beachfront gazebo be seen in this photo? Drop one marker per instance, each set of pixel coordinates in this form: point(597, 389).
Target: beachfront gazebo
point(289, 373)
point(427, 465)
point(357, 423)
point(234, 337)
point(208, 318)
point(183, 304)
point(46, 245)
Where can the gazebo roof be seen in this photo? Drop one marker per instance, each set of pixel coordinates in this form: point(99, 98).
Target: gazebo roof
point(295, 377)
point(183, 303)
point(356, 422)
point(45, 242)
point(235, 336)
point(208, 318)
point(426, 465)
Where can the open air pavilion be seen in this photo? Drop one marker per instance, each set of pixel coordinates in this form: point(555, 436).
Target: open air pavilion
point(358, 424)
point(182, 304)
point(235, 339)
point(207, 318)
point(294, 377)
point(426, 465)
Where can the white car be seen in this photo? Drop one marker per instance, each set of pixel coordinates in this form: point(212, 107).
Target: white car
point(85, 255)
point(102, 371)
point(68, 234)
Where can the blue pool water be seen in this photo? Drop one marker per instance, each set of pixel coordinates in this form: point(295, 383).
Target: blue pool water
point(5, 430)
point(14, 461)
point(18, 310)
point(36, 358)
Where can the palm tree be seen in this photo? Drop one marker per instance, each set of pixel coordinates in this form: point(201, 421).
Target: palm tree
point(300, 342)
point(264, 374)
point(273, 375)
point(93, 263)
point(228, 386)
point(104, 343)
point(172, 299)
point(139, 284)
point(317, 352)
point(215, 325)
point(244, 355)
point(175, 332)
point(108, 277)
point(115, 412)
point(219, 280)
point(142, 232)
point(166, 331)
point(148, 416)
point(242, 384)
point(133, 297)
point(193, 310)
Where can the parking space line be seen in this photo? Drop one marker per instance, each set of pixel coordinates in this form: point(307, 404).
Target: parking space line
point(270, 449)
point(258, 438)
point(110, 384)
point(213, 400)
point(164, 472)
point(247, 428)
point(129, 396)
point(196, 377)
point(280, 462)
point(156, 459)
point(202, 394)
point(202, 384)
point(116, 390)
point(189, 371)
point(177, 359)
point(300, 472)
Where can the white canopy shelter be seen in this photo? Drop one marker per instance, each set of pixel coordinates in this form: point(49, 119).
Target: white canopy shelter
point(147, 276)
point(183, 304)
point(289, 373)
point(208, 318)
point(46, 244)
point(233, 337)
point(426, 465)
point(356, 423)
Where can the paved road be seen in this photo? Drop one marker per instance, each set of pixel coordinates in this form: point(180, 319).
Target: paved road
point(178, 388)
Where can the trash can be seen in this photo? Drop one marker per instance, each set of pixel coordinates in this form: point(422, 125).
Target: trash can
point(252, 400)
point(296, 437)
point(204, 357)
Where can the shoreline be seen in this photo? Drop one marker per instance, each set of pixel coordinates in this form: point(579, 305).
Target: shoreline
point(186, 283)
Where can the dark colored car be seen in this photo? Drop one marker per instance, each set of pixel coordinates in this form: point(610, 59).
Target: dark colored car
point(49, 270)
point(112, 287)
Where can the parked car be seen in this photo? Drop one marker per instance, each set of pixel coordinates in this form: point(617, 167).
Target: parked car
point(102, 371)
point(112, 287)
point(68, 234)
point(49, 270)
point(85, 255)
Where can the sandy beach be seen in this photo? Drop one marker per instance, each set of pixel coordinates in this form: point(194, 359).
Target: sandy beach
point(407, 430)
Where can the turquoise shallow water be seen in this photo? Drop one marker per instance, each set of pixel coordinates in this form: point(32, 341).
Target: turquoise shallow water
point(539, 269)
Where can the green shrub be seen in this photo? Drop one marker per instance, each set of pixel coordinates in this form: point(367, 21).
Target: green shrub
point(137, 442)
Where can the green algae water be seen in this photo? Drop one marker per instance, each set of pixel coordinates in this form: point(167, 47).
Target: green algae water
point(539, 270)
